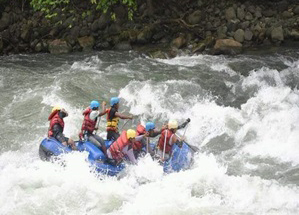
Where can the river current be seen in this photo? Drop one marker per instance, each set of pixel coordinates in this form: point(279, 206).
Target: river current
point(244, 113)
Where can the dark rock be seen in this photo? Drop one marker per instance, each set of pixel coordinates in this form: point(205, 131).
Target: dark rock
point(251, 9)
point(101, 23)
point(239, 35)
point(4, 21)
point(287, 15)
point(248, 16)
point(1, 45)
point(38, 47)
point(195, 17)
point(102, 45)
point(227, 46)
point(258, 14)
point(232, 25)
point(123, 46)
point(145, 35)
point(248, 35)
point(59, 47)
point(282, 5)
point(26, 33)
point(230, 14)
point(158, 54)
point(114, 29)
point(221, 32)
point(244, 25)
point(277, 34)
point(240, 13)
point(75, 32)
point(296, 10)
point(86, 43)
point(121, 14)
point(159, 35)
point(294, 34)
point(269, 13)
point(84, 31)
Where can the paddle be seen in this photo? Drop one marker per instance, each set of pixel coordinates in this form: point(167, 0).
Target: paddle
point(98, 122)
point(194, 148)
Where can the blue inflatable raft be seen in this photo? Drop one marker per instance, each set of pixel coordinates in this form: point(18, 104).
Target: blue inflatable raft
point(180, 159)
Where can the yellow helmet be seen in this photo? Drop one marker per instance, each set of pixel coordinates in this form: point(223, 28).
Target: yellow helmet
point(172, 124)
point(131, 133)
point(56, 108)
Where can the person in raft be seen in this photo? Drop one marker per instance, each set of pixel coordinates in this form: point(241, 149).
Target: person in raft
point(91, 117)
point(146, 132)
point(122, 148)
point(113, 117)
point(168, 138)
point(57, 125)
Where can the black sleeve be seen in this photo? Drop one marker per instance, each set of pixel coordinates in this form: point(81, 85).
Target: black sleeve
point(155, 134)
point(183, 125)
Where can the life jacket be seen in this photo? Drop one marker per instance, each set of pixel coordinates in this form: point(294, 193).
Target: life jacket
point(117, 147)
point(88, 124)
point(137, 146)
point(162, 140)
point(112, 125)
point(54, 119)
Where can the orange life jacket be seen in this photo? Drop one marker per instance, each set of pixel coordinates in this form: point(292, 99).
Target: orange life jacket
point(162, 140)
point(137, 146)
point(54, 119)
point(112, 124)
point(117, 147)
point(88, 124)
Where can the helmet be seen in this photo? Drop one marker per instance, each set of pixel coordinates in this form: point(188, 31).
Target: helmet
point(55, 108)
point(131, 133)
point(113, 101)
point(149, 126)
point(94, 104)
point(172, 124)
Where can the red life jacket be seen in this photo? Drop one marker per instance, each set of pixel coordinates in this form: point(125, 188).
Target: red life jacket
point(117, 147)
point(112, 124)
point(137, 146)
point(88, 124)
point(54, 119)
point(162, 139)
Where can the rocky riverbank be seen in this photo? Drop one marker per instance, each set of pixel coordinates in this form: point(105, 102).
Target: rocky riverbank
point(210, 26)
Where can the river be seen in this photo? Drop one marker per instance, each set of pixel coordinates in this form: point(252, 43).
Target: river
point(244, 113)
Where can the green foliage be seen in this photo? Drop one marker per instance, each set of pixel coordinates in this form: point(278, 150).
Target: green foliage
point(48, 6)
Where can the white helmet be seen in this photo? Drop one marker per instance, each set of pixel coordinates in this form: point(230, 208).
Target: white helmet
point(172, 124)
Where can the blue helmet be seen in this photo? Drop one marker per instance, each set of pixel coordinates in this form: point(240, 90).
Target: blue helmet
point(94, 104)
point(149, 126)
point(113, 101)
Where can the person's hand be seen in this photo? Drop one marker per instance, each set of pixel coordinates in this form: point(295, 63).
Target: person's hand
point(96, 128)
point(104, 103)
point(188, 120)
point(147, 134)
point(64, 143)
point(131, 117)
point(182, 139)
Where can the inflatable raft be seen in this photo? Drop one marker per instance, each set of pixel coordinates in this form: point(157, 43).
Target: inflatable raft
point(180, 159)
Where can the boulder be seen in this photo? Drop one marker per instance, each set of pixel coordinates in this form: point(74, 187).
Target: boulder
point(240, 13)
point(248, 35)
point(157, 54)
point(145, 35)
point(4, 21)
point(294, 34)
point(296, 10)
point(179, 42)
point(38, 47)
point(244, 25)
point(230, 14)
point(227, 46)
point(101, 23)
point(248, 16)
point(258, 14)
point(277, 34)
point(86, 42)
point(103, 45)
point(195, 17)
point(123, 46)
point(269, 13)
point(221, 32)
point(59, 46)
point(287, 15)
point(239, 35)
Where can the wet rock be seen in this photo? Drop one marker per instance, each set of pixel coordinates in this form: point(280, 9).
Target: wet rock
point(221, 32)
point(287, 15)
point(101, 23)
point(244, 25)
point(86, 42)
point(145, 35)
point(102, 45)
point(251, 9)
point(282, 5)
point(258, 14)
point(38, 47)
point(248, 16)
point(179, 42)
point(296, 10)
point(114, 29)
point(198, 48)
point(123, 46)
point(277, 34)
point(294, 34)
point(26, 33)
point(232, 25)
point(4, 21)
point(195, 17)
point(240, 13)
point(227, 46)
point(158, 54)
point(248, 35)
point(269, 13)
point(239, 35)
point(230, 14)
point(59, 46)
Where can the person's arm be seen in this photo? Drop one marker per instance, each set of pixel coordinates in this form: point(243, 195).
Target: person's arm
point(122, 116)
point(130, 154)
point(103, 109)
